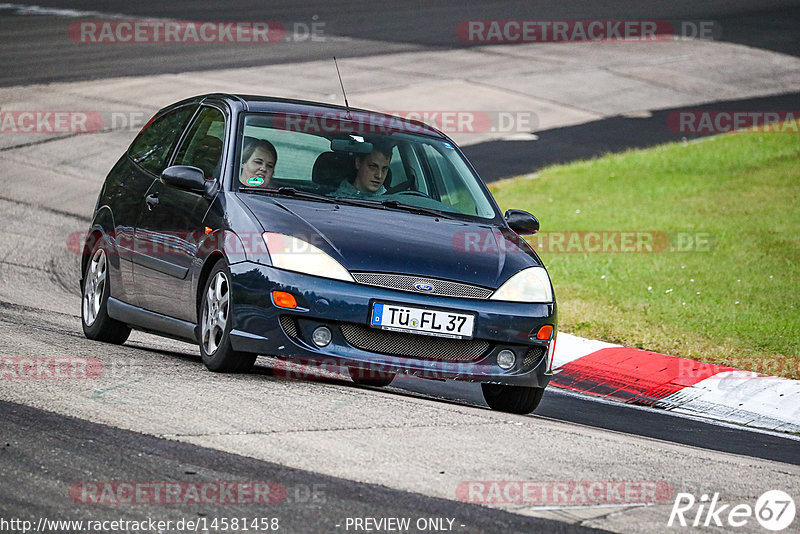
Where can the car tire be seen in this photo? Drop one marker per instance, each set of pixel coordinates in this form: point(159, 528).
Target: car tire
point(512, 399)
point(368, 377)
point(97, 325)
point(216, 321)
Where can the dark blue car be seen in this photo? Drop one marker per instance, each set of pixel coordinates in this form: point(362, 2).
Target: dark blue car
point(320, 235)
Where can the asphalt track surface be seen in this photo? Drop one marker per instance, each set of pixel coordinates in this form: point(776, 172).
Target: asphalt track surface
point(44, 450)
point(561, 405)
point(34, 49)
point(499, 159)
point(312, 503)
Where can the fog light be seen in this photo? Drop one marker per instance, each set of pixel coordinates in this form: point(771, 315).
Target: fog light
point(506, 359)
point(321, 336)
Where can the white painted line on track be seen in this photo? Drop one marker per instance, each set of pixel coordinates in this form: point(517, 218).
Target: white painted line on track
point(27, 9)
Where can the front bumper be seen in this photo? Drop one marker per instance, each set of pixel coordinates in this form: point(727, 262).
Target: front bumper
point(345, 308)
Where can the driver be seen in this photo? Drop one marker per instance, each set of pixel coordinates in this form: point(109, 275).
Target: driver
point(371, 172)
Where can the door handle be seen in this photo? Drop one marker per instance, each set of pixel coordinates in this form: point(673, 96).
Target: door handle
point(152, 201)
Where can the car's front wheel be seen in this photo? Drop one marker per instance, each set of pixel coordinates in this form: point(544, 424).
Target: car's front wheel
point(215, 325)
point(97, 325)
point(512, 399)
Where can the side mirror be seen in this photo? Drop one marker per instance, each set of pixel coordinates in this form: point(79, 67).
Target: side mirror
point(185, 177)
point(522, 222)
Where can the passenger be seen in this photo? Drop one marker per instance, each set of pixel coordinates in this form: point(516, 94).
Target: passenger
point(258, 162)
point(371, 172)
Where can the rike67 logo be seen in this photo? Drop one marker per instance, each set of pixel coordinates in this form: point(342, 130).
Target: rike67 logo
point(774, 510)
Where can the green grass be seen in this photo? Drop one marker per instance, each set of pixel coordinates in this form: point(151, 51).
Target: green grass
point(734, 302)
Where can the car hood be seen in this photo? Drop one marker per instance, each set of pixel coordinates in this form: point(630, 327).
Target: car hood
point(386, 240)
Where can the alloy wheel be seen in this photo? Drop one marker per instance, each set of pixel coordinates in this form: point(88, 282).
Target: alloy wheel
point(93, 286)
point(215, 313)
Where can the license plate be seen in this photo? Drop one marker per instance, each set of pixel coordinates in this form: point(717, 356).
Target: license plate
point(422, 321)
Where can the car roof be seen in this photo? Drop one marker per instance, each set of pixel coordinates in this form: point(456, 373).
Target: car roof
point(269, 104)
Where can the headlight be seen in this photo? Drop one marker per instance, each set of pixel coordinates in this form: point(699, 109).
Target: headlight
point(292, 254)
point(529, 285)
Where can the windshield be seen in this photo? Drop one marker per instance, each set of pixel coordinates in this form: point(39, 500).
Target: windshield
point(388, 166)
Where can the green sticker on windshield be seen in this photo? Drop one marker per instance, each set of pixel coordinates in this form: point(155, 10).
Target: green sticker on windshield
point(255, 180)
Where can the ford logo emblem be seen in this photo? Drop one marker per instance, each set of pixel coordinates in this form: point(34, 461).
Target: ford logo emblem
point(424, 287)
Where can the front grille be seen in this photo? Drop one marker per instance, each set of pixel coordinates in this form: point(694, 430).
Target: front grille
point(403, 282)
point(289, 326)
point(533, 357)
point(413, 345)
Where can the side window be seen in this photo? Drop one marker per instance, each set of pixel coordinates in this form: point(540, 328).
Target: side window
point(407, 172)
point(151, 148)
point(202, 147)
point(450, 185)
point(416, 178)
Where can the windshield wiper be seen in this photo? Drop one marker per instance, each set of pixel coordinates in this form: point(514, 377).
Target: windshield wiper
point(288, 192)
point(415, 209)
point(349, 201)
point(376, 202)
point(299, 193)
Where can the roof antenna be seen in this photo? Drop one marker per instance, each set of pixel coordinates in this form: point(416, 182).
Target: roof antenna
point(346, 104)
